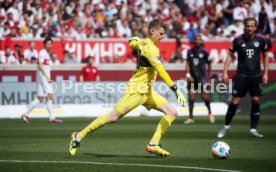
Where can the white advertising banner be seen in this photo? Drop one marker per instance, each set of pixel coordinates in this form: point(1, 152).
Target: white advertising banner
point(77, 99)
point(94, 110)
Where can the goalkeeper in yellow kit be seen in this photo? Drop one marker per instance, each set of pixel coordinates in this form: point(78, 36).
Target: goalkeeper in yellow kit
point(139, 92)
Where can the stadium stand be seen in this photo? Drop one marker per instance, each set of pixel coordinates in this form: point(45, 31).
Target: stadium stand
point(73, 20)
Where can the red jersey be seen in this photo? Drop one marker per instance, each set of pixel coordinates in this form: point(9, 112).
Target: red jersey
point(89, 73)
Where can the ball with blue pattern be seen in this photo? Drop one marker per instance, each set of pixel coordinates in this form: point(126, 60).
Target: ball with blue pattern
point(220, 150)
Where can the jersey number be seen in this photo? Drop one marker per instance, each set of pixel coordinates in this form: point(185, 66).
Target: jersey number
point(250, 53)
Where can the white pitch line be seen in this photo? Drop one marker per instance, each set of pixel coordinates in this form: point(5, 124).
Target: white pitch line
point(117, 164)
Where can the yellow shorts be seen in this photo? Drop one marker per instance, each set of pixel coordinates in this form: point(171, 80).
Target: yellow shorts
point(131, 101)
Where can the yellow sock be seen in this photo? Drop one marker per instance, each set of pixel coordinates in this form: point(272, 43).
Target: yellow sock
point(97, 123)
point(162, 127)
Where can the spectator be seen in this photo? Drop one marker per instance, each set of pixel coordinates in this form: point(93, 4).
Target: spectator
point(263, 24)
point(71, 58)
point(6, 5)
point(65, 55)
point(1, 26)
point(236, 27)
point(14, 33)
point(10, 19)
point(33, 60)
point(17, 51)
point(177, 56)
point(228, 6)
point(116, 59)
point(205, 33)
point(36, 9)
point(62, 33)
point(9, 57)
point(105, 59)
point(221, 32)
point(191, 32)
point(14, 10)
point(117, 19)
point(54, 59)
point(78, 34)
point(87, 17)
point(89, 72)
point(232, 35)
point(273, 35)
point(240, 12)
point(45, 32)
point(124, 30)
point(22, 60)
point(34, 33)
point(30, 52)
point(254, 9)
point(100, 31)
point(213, 11)
point(6, 29)
point(40, 26)
point(2, 59)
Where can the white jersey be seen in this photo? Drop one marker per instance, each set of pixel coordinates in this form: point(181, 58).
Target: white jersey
point(44, 58)
point(28, 54)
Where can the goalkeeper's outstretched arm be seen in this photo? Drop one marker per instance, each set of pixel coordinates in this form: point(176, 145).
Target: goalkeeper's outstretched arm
point(167, 79)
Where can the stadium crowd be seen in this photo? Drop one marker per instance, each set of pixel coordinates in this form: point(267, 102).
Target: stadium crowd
point(72, 19)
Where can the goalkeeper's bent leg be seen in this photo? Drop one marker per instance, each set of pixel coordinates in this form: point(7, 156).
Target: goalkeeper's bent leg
point(111, 117)
point(162, 127)
point(94, 125)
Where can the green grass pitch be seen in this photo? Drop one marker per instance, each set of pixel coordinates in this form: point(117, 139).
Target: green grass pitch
point(42, 146)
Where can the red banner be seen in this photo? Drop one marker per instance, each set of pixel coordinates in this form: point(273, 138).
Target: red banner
point(118, 50)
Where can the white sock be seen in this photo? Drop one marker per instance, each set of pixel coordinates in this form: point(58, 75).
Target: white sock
point(33, 104)
point(227, 127)
point(78, 137)
point(50, 108)
point(152, 144)
point(253, 130)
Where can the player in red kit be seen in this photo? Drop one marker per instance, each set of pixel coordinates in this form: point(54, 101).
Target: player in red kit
point(89, 72)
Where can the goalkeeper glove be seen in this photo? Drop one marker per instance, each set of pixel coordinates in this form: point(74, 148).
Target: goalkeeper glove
point(180, 97)
point(133, 42)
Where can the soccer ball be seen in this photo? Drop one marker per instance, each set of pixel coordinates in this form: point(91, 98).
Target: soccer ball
point(220, 150)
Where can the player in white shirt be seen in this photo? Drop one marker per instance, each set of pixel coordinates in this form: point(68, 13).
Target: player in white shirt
point(44, 84)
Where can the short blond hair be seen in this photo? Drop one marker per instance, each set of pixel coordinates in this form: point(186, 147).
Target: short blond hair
point(156, 23)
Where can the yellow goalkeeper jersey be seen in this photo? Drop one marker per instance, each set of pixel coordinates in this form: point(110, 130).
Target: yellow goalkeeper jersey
point(145, 74)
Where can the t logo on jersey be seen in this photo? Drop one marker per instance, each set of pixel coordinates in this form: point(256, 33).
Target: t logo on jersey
point(195, 61)
point(250, 53)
